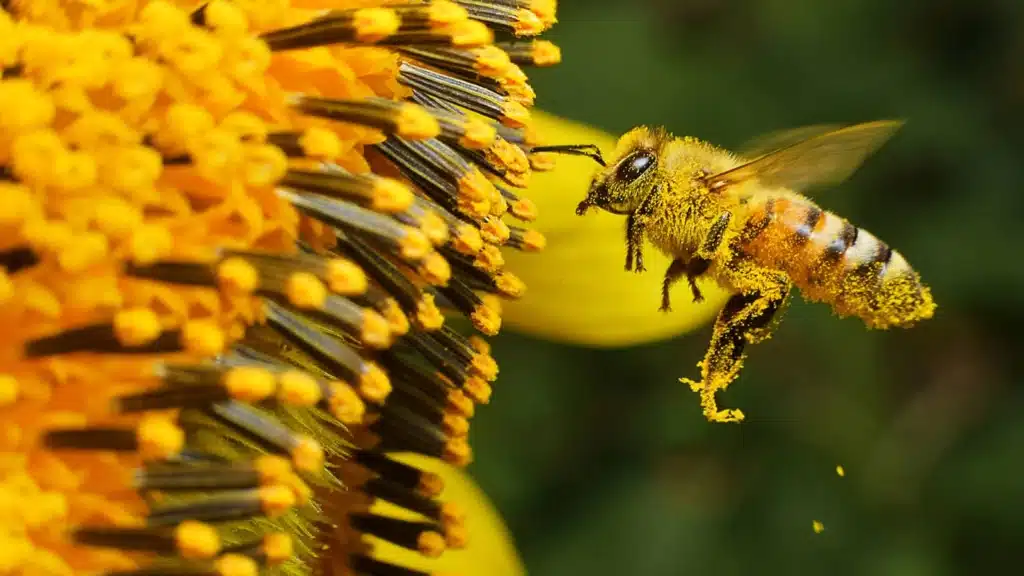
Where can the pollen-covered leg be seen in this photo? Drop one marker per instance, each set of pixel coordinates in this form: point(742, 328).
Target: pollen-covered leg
point(746, 318)
point(635, 243)
point(676, 270)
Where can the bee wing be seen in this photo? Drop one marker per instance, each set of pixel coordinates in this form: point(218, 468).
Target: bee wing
point(772, 141)
point(820, 157)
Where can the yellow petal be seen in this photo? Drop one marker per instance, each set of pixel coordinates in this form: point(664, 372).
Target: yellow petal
point(490, 549)
point(579, 291)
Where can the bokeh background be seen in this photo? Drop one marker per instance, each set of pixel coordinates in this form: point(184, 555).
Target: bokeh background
point(600, 461)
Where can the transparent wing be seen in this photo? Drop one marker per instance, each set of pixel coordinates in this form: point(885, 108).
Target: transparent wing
point(819, 159)
point(772, 141)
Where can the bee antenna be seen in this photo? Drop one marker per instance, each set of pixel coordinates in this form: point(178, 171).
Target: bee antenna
point(589, 150)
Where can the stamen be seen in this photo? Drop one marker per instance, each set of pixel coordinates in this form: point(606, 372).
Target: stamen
point(489, 61)
point(372, 382)
point(269, 501)
point(526, 239)
point(420, 537)
point(358, 25)
point(306, 453)
point(190, 540)
point(214, 476)
point(154, 438)
point(409, 477)
point(461, 34)
point(506, 17)
point(532, 52)
point(409, 242)
point(467, 94)
point(392, 117)
point(369, 191)
point(271, 550)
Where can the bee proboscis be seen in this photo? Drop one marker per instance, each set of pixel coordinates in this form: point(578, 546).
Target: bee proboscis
point(742, 221)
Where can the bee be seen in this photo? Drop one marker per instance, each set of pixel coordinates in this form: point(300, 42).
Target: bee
point(742, 221)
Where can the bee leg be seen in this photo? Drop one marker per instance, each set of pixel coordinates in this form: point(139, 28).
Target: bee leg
point(716, 234)
point(635, 243)
point(743, 320)
point(695, 269)
point(676, 270)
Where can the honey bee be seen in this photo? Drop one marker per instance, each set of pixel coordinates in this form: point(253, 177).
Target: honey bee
point(742, 221)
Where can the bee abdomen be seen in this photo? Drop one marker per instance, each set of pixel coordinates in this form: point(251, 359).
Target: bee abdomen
point(833, 261)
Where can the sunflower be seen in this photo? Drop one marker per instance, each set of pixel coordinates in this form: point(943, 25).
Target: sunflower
point(231, 234)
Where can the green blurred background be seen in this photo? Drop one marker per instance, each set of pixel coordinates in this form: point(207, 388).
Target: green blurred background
point(600, 460)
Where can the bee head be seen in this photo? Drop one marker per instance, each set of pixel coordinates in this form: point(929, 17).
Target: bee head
point(623, 185)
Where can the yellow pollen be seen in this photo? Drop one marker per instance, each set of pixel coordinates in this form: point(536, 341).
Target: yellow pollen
point(203, 337)
point(375, 332)
point(236, 275)
point(489, 259)
point(514, 114)
point(452, 514)
point(278, 547)
point(479, 344)
point(478, 134)
point(346, 405)
point(298, 388)
point(818, 527)
point(534, 241)
point(415, 123)
point(546, 53)
point(159, 437)
point(545, 10)
point(150, 242)
point(455, 425)
point(434, 227)
point(435, 269)
point(117, 218)
point(306, 291)
point(478, 390)
point(840, 471)
point(276, 499)
point(236, 565)
point(460, 403)
point(225, 18)
point(398, 322)
point(542, 161)
point(8, 390)
point(470, 33)
point(414, 245)
point(135, 327)
point(391, 196)
point(430, 485)
point(273, 469)
point(374, 384)
point(475, 186)
point(524, 209)
point(428, 315)
point(18, 205)
point(442, 12)
point(491, 61)
point(486, 320)
point(495, 231)
point(307, 455)
point(458, 453)
point(527, 23)
point(430, 544)
point(82, 252)
point(498, 204)
point(319, 143)
point(197, 540)
point(263, 165)
point(485, 365)
point(510, 285)
point(467, 239)
point(345, 277)
point(456, 537)
point(375, 24)
point(249, 383)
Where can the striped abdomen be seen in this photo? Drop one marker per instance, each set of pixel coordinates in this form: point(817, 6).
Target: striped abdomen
point(833, 261)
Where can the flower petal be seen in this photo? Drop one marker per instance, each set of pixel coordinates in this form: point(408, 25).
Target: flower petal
point(490, 550)
point(579, 291)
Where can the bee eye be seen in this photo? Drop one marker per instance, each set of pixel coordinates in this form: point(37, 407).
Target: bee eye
point(635, 166)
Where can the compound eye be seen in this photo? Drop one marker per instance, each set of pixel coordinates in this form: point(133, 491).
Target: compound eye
point(635, 166)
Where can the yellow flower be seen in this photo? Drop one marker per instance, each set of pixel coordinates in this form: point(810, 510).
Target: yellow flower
point(231, 232)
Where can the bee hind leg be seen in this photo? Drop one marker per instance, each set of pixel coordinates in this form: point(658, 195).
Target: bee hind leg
point(635, 243)
point(746, 318)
